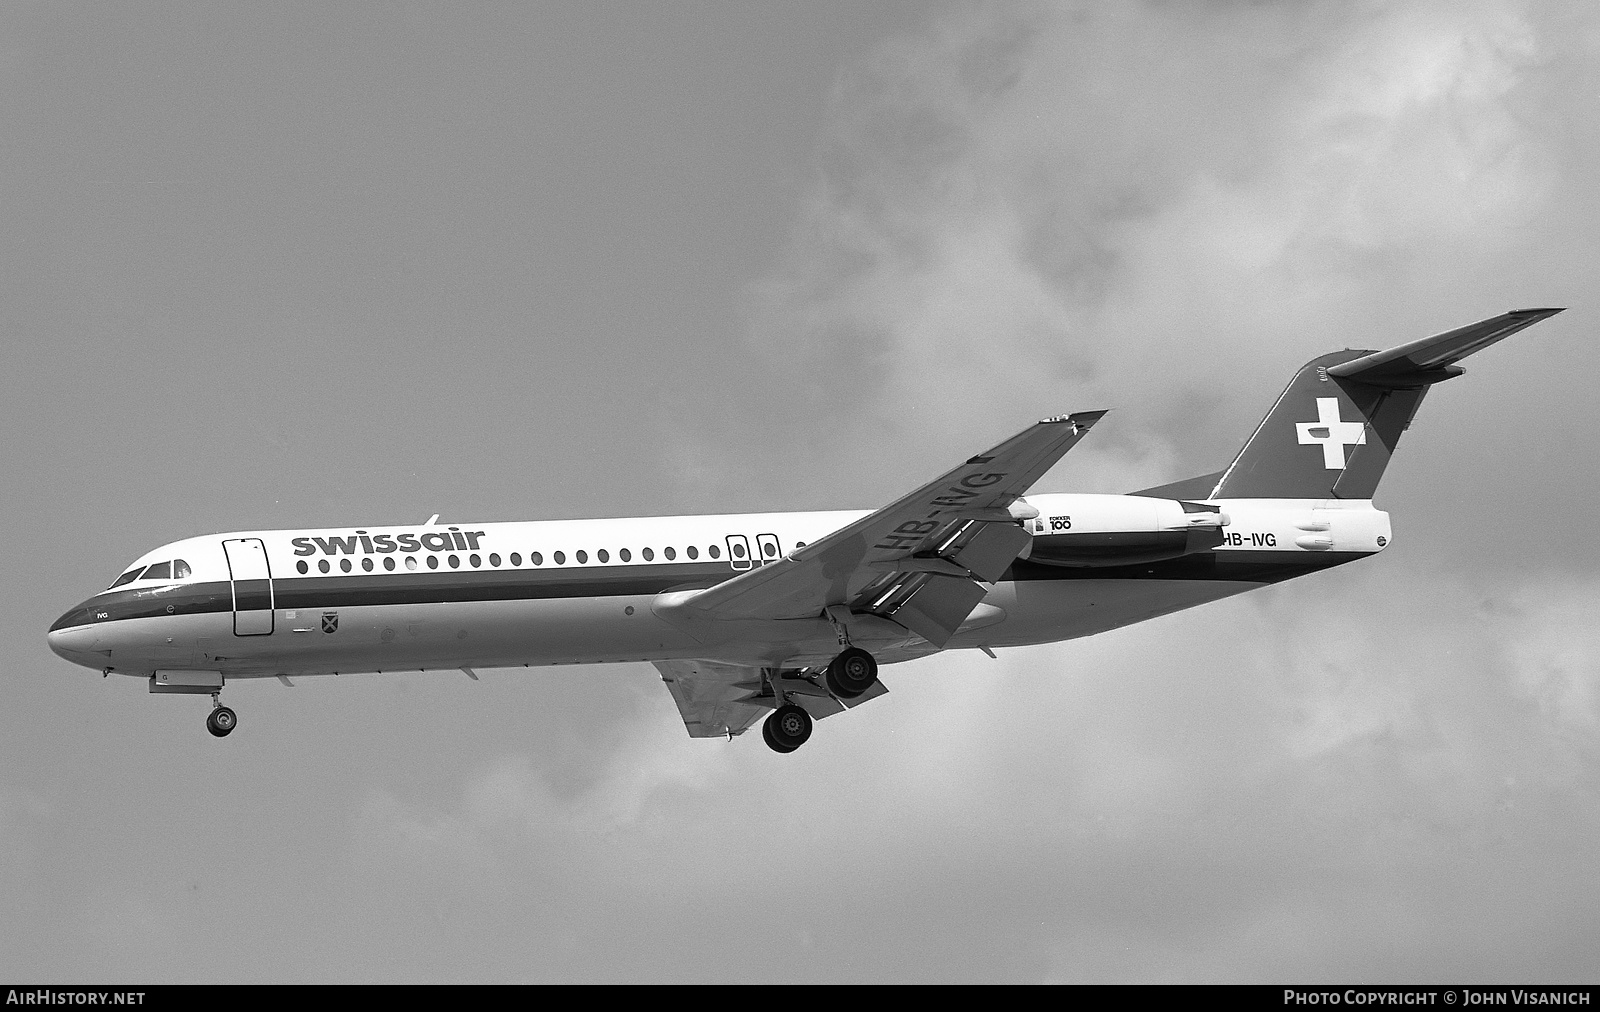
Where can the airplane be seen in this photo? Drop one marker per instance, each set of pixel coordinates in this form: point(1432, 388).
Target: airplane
point(784, 615)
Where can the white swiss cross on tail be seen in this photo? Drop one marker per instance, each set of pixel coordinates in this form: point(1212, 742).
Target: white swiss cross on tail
point(1331, 432)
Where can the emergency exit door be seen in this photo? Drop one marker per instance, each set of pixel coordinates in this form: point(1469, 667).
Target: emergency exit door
point(739, 552)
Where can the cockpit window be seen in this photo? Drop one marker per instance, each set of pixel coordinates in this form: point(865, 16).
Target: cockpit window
point(175, 569)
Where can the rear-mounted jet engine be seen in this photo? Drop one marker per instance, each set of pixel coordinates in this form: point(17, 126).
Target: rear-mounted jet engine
point(1115, 530)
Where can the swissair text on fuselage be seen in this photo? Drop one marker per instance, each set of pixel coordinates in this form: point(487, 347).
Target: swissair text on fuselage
point(452, 540)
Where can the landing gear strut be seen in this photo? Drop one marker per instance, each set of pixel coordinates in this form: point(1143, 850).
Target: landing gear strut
point(787, 728)
point(851, 673)
point(221, 720)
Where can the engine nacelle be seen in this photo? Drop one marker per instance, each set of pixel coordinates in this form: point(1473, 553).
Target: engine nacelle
point(1120, 530)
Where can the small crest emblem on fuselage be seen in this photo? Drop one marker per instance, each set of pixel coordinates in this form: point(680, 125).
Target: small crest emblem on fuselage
point(330, 621)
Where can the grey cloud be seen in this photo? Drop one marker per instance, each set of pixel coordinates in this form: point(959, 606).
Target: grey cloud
point(1302, 798)
point(1161, 209)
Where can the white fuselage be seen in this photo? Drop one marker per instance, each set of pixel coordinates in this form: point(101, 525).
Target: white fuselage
point(584, 591)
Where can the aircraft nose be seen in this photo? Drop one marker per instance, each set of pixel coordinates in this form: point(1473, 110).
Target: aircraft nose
point(72, 638)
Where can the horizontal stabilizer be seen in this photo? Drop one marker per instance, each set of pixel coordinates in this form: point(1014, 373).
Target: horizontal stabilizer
point(1434, 358)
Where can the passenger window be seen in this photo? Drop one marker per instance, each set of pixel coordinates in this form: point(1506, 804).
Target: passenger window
point(670, 552)
point(433, 562)
point(625, 556)
point(738, 550)
point(714, 552)
point(694, 553)
point(583, 557)
point(533, 557)
point(128, 577)
point(301, 565)
point(181, 570)
point(516, 558)
point(159, 571)
point(561, 558)
point(475, 561)
point(411, 562)
point(603, 555)
point(366, 564)
point(648, 555)
point(388, 563)
point(322, 565)
point(494, 559)
point(344, 564)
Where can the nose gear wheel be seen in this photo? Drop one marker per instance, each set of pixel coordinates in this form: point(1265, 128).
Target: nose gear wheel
point(221, 721)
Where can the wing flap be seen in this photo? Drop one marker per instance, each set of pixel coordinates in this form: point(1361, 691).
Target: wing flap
point(713, 698)
point(992, 550)
point(938, 607)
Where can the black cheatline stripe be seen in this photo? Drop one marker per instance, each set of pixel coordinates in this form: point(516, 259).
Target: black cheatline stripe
point(448, 586)
point(1242, 567)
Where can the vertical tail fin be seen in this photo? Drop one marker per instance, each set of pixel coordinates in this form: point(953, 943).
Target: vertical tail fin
point(1333, 429)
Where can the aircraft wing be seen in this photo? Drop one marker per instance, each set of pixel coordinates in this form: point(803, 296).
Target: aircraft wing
point(718, 699)
point(922, 559)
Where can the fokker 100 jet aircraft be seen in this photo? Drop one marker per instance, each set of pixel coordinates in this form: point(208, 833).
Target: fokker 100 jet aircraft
point(787, 615)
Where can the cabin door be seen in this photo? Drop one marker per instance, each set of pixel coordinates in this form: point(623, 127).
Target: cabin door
point(252, 586)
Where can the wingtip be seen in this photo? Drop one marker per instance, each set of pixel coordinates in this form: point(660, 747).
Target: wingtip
point(1082, 419)
point(1549, 311)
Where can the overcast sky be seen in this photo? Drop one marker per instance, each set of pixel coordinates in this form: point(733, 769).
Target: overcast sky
point(296, 266)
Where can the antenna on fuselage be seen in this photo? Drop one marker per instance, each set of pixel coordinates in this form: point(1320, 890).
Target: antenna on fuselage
point(432, 520)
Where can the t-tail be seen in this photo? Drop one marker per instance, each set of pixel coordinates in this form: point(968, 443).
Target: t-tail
point(1333, 429)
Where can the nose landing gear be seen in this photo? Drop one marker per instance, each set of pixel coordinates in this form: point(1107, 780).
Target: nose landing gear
point(221, 721)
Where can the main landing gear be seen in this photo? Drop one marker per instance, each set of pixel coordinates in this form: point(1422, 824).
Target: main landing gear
point(848, 676)
point(786, 728)
point(221, 720)
point(851, 673)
